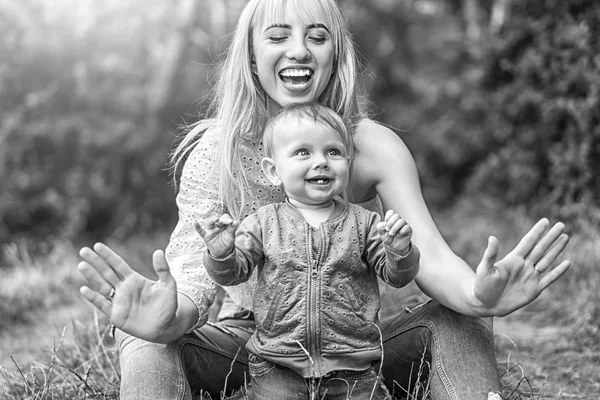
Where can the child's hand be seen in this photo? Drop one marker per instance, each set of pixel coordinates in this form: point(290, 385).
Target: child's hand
point(395, 232)
point(219, 235)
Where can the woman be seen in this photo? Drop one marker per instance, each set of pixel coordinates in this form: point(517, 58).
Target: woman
point(285, 52)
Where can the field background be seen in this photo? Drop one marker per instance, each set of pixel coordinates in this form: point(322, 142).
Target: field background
point(498, 100)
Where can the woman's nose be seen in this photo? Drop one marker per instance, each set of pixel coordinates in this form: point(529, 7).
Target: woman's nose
point(298, 50)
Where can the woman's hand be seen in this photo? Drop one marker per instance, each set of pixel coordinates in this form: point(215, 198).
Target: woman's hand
point(506, 285)
point(135, 304)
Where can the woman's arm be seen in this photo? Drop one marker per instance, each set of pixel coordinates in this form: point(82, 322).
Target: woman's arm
point(384, 165)
point(165, 309)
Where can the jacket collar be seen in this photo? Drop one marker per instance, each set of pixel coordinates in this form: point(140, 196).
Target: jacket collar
point(340, 206)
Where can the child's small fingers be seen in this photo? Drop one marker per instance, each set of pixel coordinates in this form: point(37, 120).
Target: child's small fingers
point(397, 227)
point(211, 222)
point(406, 230)
point(392, 221)
point(199, 229)
point(226, 219)
point(233, 226)
point(388, 215)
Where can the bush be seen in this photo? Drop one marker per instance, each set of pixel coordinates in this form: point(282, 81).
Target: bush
point(535, 111)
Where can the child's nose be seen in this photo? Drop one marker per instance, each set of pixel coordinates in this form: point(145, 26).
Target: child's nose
point(320, 161)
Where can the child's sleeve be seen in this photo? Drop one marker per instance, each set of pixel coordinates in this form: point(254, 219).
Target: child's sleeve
point(394, 269)
point(247, 255)
point(197, 200)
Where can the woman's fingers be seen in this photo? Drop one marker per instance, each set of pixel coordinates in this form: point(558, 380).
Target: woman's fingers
point(97, 300)
point(552, 253)
point(94, 279)
point(531, 238)
point(102, 266)
point(550, 276)
point(546, 243)
point(114, 260)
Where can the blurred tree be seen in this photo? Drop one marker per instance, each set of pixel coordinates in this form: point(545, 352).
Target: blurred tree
point(525, 120)
point(92, 95)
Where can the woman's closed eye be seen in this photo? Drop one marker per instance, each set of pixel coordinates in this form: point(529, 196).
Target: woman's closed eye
point(277, 38)
point(317, 39)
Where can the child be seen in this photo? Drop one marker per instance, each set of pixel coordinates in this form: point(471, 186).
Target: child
point(317, 258)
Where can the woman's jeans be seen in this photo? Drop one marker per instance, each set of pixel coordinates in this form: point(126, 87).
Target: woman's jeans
point(455, 351)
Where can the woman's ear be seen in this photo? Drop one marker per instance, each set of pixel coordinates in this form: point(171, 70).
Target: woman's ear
point(270, 170)
point(253, 67)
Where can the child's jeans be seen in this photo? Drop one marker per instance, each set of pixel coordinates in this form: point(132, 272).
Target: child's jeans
point(455, 351)
point(270, 381)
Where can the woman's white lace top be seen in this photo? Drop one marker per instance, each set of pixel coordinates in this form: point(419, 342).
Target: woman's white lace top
point(198, 200)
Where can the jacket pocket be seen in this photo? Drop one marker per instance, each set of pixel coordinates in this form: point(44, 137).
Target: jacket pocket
point(274, 306)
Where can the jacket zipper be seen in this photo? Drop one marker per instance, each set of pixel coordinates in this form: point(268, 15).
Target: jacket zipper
point(313, 320)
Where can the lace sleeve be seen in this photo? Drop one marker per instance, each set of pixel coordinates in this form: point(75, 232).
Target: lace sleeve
point(196, 201)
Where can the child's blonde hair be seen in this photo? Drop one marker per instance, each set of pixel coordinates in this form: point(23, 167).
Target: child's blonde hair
point(314, 112)
point(238, 108)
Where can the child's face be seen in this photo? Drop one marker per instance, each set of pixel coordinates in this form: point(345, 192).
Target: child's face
point(310, 160)
point(293, 57)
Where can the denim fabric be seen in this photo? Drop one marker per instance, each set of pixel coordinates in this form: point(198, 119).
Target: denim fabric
point(270, 381)
point(458, 349)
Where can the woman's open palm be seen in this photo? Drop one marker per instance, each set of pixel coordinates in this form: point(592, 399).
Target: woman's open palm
point(137, 305)
point(505, 285)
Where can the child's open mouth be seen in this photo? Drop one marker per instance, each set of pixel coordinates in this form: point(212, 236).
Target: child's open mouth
point(296, 76)
point(319, 181)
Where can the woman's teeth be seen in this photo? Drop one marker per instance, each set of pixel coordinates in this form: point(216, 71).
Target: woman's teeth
point(295, 76)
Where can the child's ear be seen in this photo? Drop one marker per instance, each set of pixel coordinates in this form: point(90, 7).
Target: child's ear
point(270, 170)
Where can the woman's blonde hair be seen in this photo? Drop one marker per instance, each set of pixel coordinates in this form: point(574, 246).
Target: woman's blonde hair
point(239, 104)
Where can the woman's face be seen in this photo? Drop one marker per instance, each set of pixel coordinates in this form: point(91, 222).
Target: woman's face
point(293, 59)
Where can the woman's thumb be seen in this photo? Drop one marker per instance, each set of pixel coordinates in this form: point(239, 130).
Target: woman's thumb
point(161, 267)
point(490, 255)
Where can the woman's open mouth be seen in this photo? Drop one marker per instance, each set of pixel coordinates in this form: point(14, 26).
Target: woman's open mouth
point(296, 78)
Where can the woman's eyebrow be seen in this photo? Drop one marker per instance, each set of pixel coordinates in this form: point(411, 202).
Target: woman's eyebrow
point(316, 26)
point(286, 26)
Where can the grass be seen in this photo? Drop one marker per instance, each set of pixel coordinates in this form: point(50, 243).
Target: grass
point(563, 364)
point(84, 368)
point(33, 284)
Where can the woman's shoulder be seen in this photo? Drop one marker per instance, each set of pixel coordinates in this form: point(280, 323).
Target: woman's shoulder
point(203, 149)
point(373, 137)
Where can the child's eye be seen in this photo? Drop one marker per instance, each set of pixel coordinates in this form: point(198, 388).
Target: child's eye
point(302, 152)
point(334, 152)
